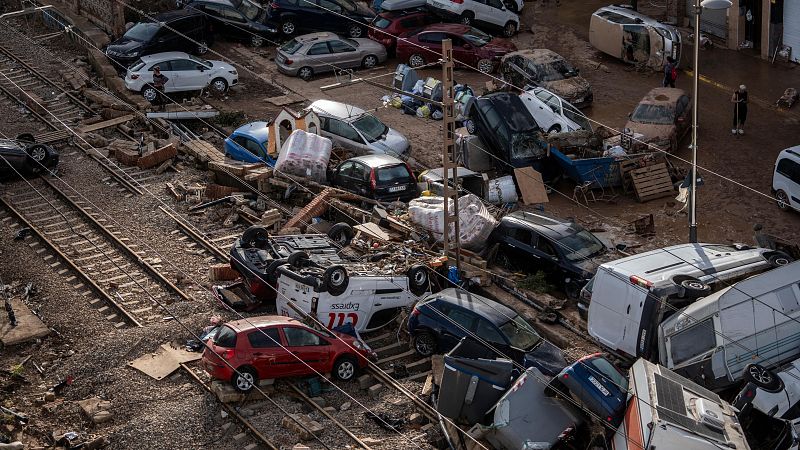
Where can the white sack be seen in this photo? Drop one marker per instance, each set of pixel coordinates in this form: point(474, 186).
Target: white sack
point(475, 222)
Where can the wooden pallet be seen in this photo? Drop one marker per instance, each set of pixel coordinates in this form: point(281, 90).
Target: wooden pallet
point(203, 151)
point(652, 182)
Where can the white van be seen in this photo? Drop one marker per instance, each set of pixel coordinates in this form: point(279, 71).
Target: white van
point(786, 179)
point(756, 320)
point(631, 296)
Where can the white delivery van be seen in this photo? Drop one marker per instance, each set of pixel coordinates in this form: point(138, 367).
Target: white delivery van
point(786, 179)
point(631, 296)
point(756, 320)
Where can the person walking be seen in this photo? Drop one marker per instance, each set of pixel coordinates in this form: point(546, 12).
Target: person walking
point(159, 81)
point(739, 100)
point(670, 73)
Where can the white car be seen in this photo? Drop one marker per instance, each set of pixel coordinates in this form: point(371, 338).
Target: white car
point(184, 71)
point(772, 394)
point(353, 129)
point(786, 179)
point(480, 13)
point(552, 113)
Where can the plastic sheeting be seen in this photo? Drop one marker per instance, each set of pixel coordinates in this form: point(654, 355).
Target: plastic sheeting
point(305, 155)
point(475, 223)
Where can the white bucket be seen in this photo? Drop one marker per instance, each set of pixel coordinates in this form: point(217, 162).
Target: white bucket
point(502, 190)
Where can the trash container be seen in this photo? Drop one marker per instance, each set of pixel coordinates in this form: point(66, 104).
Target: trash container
point(404, 78)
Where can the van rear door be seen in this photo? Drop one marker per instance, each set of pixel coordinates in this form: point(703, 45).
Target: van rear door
point(615, 311)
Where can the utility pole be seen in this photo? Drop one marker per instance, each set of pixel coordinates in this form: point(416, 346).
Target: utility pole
point(449, 155)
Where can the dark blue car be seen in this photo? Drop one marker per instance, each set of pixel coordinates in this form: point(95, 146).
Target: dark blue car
point(438, 322)
point(597, 384)
point(250, 143)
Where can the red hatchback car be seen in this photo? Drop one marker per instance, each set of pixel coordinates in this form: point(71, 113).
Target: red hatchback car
point(251, 346)
point(388, 24)
point(470, 46)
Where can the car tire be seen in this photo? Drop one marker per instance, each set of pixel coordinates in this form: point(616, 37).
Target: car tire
point(469, 124)
point(511, 5)
point(369, 61)
point(467, 18)
point(244, 379)
point(25, 137)
point(341, 233)
point(572, 290)
point(335, 280)
point(219, 85)
point(256, 41)
point(297, 259)
point(424, 343)
point(150, 93)
point(38, 154)
point(691, 287)
point(510, 30)
point(763, 378)
point(252, 234)
point(485, 66)
point(288, 27)
point(554, 129)
point(418, 282)
point(202, 47)
point(345, 368)
point(502, 260)
point(305, 73)
point(355, 31)
point(782, 199)
point(778, 259)
point(269, 271)
point(416, 60)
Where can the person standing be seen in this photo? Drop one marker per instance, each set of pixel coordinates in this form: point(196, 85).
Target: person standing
point(159, 81)
point(670, 73)
point(739, 100)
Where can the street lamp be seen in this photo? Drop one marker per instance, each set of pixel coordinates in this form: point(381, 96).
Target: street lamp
point(698, 9)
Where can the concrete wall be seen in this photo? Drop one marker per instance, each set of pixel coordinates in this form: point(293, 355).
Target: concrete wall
point(109, 15)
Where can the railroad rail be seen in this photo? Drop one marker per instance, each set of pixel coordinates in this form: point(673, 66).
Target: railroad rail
point(119, 275)
point(218, 247)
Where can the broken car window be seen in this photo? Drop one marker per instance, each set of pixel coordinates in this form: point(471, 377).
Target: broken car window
point(693, 341)
point(225, 337)
point(653, 114)
point(520, 334)
point(580, 246)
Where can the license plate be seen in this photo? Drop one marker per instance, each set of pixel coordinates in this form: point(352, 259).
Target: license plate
point(397, 188)
point(281, 59)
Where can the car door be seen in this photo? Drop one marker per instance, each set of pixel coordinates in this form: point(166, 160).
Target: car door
point(544, 251)
point(245, 144)
point(343, 134)
point(320, 57)
point(268, 357)
point(310, 351)
point(518, 246)
point(496, 13)
point(359, 179)
point(235, 23)
point(787, 179)
point(214, 15)
point(187, 77)
point(433, 43)
point(344, 54)
point(479, 8)
point(173, 81)
point(463, 51)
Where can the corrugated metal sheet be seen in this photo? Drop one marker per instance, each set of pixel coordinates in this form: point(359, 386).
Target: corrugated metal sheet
point(713, 22)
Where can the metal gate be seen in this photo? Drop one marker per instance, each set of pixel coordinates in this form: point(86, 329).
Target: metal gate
point(713, 22)
point(791, 27)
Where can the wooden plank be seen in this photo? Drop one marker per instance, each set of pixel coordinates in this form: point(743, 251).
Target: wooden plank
point(652, 182)
point(531, 185)
point(28, 328)
point(106, 123)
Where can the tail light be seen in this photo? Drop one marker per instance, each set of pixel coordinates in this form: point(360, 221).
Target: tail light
point(228, 354)
point(288, 62)
point(457, 1)
point(258, 288)
point(134, 77)
point(567, 433)
point(372, 182)
point(609, 419)
point(415, 312)
point(274, 5)
point(639, 281)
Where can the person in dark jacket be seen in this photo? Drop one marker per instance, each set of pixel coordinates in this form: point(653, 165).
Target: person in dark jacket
point(670, 73)
point(159, 81)
point(739, 100)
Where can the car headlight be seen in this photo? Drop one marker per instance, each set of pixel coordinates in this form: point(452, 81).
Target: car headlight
point(233, 72)
point(132, 53)
point(358, 344)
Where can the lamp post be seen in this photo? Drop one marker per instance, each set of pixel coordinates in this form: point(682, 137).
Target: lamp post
point(698, 9)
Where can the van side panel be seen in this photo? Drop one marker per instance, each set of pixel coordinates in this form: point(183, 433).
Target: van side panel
point(606, 36)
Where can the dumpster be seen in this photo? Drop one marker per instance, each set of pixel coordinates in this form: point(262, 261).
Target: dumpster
point(604, 171)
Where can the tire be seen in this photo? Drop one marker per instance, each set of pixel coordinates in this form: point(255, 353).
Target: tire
point(502, 260)
point(341, 233)
point(355, 31)
point(345, 368)
point(763, 378)
point(511, 5)
point(782, 199)
point(202, 47)
point(470, 126)
point(572, 290)
point(424, 343)
point(485, 66)
point(510, 30)
point(779, 259)
point(418, 282)
point(335, 280)
point(37, 154)
point(691, 287)
point(272, 267)
point(554, 129)
point(467, 18)
point(305, 73)
point(369, 61)
point(288, 27)
point(256, 41)
point(297, 259)
point(253, 234)
point(219, 85)
point(244, 379)
point(150, 93)
point(416, 60)
point(25, 137)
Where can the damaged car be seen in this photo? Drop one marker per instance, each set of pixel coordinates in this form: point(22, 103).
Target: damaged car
point(553, 113)
point(23, 156)
point(545, 68)
point(662, 118)
point(771, 399)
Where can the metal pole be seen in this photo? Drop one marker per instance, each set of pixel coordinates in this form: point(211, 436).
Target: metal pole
point(693, 194)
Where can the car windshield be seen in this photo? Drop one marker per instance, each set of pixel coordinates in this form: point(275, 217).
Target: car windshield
point(250, 10)
point(653, 114)
point(606, 368)
point(392, 174)
point(527, 144)
point(476, 37)
point(381, 22)
point(142, 31)
point(372, 128)
point(576, 116)
point(520, 334)
point(579, 246)
point(291, 47)
point(555, 70)
point(201, 61)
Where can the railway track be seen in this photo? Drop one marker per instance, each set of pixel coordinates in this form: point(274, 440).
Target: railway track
point(116, 278)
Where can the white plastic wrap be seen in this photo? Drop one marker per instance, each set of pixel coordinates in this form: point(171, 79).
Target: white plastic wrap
point(474, 221)
point(502, 190)
point(305, 155)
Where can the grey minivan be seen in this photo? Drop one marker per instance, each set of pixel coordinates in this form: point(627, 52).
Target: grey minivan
point(314, 53)
point(352, 128)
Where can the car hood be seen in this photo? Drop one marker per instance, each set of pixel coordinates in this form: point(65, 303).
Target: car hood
point(368, 45)
point(124, 45)
point(546, 357)
point(570, 89)
point(652, 132)
point(500, 46)
point(392, 143)
point(221, 65)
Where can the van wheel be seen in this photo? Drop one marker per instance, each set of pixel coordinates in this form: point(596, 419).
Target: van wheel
point(424, 343)
point(417, 279)
point(253, 234)
point(554, 129)
point(297, 259)
point(345, 368)
point(782, 199)
point(691, 287)
point(779, 259)
point(335, 280)
point(244, 379)
point(510, 29)
point(341, 233)
point(763, 378)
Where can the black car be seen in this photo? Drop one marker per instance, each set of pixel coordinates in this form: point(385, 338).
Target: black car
point(22, 156)
point(438, 322)
point(292, 16)
point(242, 20)
point(380, 177)
point(182, 30)
point(509, 132)
point(563, 250)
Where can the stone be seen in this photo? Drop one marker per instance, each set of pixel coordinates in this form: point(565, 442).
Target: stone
point(251, 446)
point(96, 409)
point(330, 410)
point(416, 418)
point(345, 406)
point(102, 416)
point(225, 392)
point(375, 390)
point(301, 447)
point(96, 443)
point(156, 157)
point(239, 437)
point(372, 442)
point(307, 431)
point(49, 396)
point(227, 425)
point(365, 381)
point(319, 401)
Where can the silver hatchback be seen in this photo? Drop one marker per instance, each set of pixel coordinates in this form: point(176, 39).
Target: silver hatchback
point(314, 53)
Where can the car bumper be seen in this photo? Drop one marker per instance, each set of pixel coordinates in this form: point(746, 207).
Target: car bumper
point(583, 102)
point(217, 371)
point(133, 85)
point(287, 70)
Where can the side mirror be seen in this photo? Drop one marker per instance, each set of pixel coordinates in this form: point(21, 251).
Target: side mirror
point(201, 68)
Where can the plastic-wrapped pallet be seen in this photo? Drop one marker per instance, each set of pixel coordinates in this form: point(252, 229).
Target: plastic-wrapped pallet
point(305, 155)
point(474, 221)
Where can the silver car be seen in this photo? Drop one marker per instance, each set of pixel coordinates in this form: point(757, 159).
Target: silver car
point(314, 53)
point(353, 129)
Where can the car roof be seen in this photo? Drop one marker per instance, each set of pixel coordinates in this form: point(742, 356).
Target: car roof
point(511, 109)
point(377, 160)
point(252, 323)
point(258, 130)
point(628, 12)
point(214, 2)
point(399, 6)
point(170, 16)
point(163, 56)
point(491, 310)
point(663, 96)
point(538, 55)
point(544, 224)
point(791, 152)
point(455, 28)
point(336, 109)
point(313, 37)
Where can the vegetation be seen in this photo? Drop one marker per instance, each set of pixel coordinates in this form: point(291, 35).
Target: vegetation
point(536, 282)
